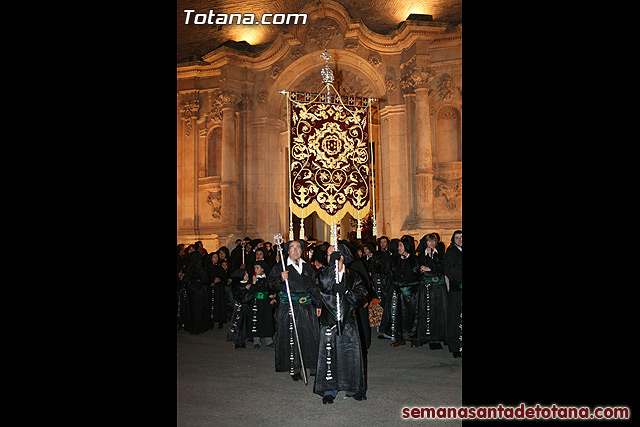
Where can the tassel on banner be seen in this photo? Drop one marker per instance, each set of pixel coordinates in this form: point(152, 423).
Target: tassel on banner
point(358, 231)
point(301, 228)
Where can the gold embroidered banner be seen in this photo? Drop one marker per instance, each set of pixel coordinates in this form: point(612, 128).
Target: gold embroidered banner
point(330, 156)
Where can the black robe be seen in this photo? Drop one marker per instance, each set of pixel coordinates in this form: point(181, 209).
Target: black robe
point(306, 318)
point(404, 299)
point(261, 321)
point(196, 309)
point(381, 274)
point(452, 262)
point(240, 319)
point(432, 299)
point(382, 283)
point(340, 360)
point(216, 294)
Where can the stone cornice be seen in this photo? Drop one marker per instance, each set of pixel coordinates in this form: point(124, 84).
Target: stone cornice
point(265, 59)
point(215, 60)
point(400, 39)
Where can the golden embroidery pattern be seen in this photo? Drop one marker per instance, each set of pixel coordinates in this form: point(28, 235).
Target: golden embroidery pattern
point(330, 156)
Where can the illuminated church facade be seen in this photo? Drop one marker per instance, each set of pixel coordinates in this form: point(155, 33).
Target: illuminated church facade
point(232, 138)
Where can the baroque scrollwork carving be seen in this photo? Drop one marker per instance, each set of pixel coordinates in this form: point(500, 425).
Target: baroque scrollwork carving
point(227, 98)
point(445, 87)
point(450, 190)
point(390, 83)
point(375, 60)
point(351, 45)
point(417, 77)
point(221, 99)
point(215, 201)
point(263, 96)
point(275, 71)
point(188, 111)
point(322, 31)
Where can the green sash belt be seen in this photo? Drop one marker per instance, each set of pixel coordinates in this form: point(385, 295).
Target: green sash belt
point(302, 298)
point(406, 290)
point(438, 280)
point(261, 295)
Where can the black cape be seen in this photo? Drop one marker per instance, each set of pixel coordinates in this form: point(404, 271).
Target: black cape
point(453, 269)
point(306, 318)
point(340, 360)
point(197, 303)
point(216, 293)
point(404, 301)
point(432, 298)
point(239, 329)
point(261, 322)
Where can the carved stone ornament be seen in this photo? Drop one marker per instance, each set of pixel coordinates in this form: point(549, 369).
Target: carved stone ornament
point(262, 97)
point(227, 98)
point(351, 45)
point(375, 60)
point(275, 71)
point(445, 87)
point(215, 201)
point(188, 111)
point(449, 190)
point(322, 31)
point(390, 83)
point(215, 111)
point(418, 77)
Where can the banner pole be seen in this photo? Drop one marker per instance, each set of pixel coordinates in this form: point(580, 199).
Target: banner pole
point(373, 180)
point(284, 92)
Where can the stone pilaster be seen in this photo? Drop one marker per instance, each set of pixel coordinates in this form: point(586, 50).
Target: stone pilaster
point(419, 79)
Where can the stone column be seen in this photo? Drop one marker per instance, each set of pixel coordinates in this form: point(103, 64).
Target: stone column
point(229, 172)
point(189, 116)
point(395, 188)
point(420, 79)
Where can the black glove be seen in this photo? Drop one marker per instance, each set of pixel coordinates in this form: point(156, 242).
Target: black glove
point(339, 289)
point(335, 256)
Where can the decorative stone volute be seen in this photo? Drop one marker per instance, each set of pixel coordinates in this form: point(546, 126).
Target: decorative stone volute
point(417, 77)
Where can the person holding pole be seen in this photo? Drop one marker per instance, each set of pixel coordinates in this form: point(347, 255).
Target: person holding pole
point(297, 328)
point(340, 356)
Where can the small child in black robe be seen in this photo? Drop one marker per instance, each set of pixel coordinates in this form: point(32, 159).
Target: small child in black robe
point(241, 309)
point(262, 304)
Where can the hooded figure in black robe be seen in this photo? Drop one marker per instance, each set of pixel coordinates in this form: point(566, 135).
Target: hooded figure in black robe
point(340, 362)
point(382, 282)
point(217, 277)
point(453, 269)
point(239, 329)
point(306, 304)
point(385, 322)
point(432, 297)
point(261, 322)
point(197, 307)
point(404, 300)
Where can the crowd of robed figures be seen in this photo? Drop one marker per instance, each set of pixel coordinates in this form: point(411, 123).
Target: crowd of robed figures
point(408, 293)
